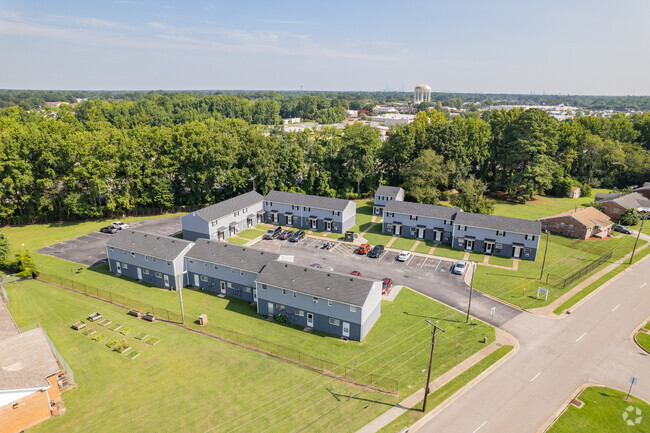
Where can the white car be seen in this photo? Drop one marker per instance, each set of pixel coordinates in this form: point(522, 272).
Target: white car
point(119, 225)
point(404, 256)
point(460, 267)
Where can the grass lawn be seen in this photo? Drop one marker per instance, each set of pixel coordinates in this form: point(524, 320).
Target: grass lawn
point(403, 244)
point(238, 241)
point(476, 257)
point(364, 215)
point(542, 206)
point(644, 340)
point(501, 261)
point(646, 226)
point(250, 233)
point(603, 412)
point(424, 247)
point(438, 396)
point(375, 236)
point(565, 256)
point(444, 250)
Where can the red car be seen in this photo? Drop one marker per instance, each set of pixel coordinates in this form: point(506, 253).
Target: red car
point(386, 284)
point(355, 273)
point(364, 248)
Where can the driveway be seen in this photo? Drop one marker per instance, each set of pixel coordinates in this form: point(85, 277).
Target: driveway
point(90, 250)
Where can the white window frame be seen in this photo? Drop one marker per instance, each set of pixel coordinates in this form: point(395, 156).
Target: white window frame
point(204, 278)
point(315, 300)
point(353, 309)
point(334, 322)
point(329, 302)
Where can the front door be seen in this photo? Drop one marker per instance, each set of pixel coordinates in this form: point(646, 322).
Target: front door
point(270, 313)
point(314, 223)
point(254, 295)
point(516, 252)
point(222, 286)
point(328, 226)
point(488, 248)
point(420, 233)
point(346, 329)
point(397, 230)
point(139, 274)
point(436, 236)
point(310, 320)
point(196, 280)
point(166, 278)
point(469, 244)
point(249, 222)
point(118, 267)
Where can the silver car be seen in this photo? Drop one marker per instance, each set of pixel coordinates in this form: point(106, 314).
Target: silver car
point(460, 267)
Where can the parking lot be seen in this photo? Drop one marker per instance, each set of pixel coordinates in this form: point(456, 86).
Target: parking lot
point(89, 249)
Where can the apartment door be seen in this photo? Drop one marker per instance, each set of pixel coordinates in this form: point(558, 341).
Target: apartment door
point(436, 235)
point(488, 248)
point(166, 278)
point(254, 295)
point(310, 320)
point(420, 232)
point(118, 267)
point(270, 312)
point(469, 244)
point(346, 329)
point(313, 223)
point(328, 226)
point(222, 286)
point(196, 280)
point(249, 222)
point(139, 274)
point(397, 230)
point(516, 252)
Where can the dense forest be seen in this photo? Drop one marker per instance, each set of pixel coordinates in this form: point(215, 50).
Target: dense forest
point(102, 157)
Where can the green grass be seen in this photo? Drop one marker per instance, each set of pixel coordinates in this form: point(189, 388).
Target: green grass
point(238, 241)
point(337, 236)
point(644, 340)
point(501, 261)
point(565, 256)
point(403, 244)
point(602, 412)
point(476, 257)
point(251, 233)
point(375, 236)
point(542, 206)
point(446, 391)
point(599, 282)
point(444, 250)
point(424, 247)
point(646, 226)
point(363, 217)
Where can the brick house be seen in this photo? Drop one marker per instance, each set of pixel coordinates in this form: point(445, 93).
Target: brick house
point(644, 190)
point(582, 223)
point(616, 207)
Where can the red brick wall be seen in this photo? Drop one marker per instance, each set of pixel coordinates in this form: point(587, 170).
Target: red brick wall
point(571, 227)
point(644, 192)
point(608, 209)
point(30, 411)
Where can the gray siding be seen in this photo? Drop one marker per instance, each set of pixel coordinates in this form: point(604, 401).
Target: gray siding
point(529, 247)
point(409, 227)
point(237, 283)
point(134, 261)
point(197, 227)
point(194, 227)
point(300, 217)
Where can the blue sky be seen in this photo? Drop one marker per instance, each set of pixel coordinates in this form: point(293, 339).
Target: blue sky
point(586, 47)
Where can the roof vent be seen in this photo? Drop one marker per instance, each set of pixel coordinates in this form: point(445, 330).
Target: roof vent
point(285, 266)
point(329, 275)
point(351, 279)
point(305, 269)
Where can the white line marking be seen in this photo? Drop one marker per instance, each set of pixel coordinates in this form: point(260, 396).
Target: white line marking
point(479, 427)
point(425, 260)
point(614, 309)
point(439, 261)
point(643, 285)
point(580, 338)
point(409, 260)
point(537, 375)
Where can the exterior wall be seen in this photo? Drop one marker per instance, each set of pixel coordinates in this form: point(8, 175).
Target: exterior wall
point(196, 227)
point(241, 286)
point(54, 392)
point(381, 200)
point(567, 226)
point(409, 227)
point(644, 192)
point(301, 217)
point(506, 242)
point(371, 309)
point(173, 270)
point(321, 310)
point(613, 210)
point(31, 410)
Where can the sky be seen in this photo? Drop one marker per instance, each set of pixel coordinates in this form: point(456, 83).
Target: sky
point(599, 47)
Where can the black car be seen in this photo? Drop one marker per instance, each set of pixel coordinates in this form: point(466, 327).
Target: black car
point(286, 234)
point(297, 236)
point(108, 229)
point(376, 251)
point(272, 233)
point(622, 229)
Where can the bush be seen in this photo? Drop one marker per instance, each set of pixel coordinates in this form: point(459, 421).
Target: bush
point(4, 248)
point(281, 318)
point(23, 265)
point(597, 205)
point(629, 217)
point(585, 190)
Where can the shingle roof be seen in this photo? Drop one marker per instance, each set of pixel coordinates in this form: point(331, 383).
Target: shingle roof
point(8, 327)
point(646, 185)
point(493, 222)
point(314, 201)
point(234, 256)
point(26, 360)
point(163, 247)
point(390, 191)
point(588, 216)
point(231, 205)
point(632, 200)
point(602, 196)
point(317, 282)
point(419, 209)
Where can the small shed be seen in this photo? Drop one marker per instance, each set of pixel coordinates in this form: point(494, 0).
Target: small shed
point(203, 319)
point(575, 192)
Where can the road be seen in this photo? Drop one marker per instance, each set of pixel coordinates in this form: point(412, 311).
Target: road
point(556, 357)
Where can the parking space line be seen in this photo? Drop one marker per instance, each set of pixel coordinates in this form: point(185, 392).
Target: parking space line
point(424, 262)
point(409, 260)
point(439, 261)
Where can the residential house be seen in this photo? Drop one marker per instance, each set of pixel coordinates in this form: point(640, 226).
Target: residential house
point(420, 221)
point(29, 387)
point(582, 223)
point(501, 236)
point(310, 211)
point(385, 194)
point(226, 268)
point(224, 219)
point(148, 257)
point(602, 196)
point(616, 207)
point(644, 190)
point(330, 302)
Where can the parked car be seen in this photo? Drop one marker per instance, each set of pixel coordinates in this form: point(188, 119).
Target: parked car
point(363, 249)
point(460, 267)
point(386, 284)
point(404, 256)
point(286, 234)
point(622, 229)
point(119, 225)
point(108, 229)
point(316, 265)
point(376, 251)
point(355, 273)
point(272, 233)
point(297, 236)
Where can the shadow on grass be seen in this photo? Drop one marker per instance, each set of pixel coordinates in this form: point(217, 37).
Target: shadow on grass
point(338, 397)
point(105, 270)
point(433, 318)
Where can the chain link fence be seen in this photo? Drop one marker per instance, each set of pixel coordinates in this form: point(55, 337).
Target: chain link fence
point(564, 282)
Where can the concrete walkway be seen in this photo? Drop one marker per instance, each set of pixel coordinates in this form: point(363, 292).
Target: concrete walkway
point(414, 399)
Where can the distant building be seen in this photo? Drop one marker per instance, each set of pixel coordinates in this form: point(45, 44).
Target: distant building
point(291, 120)
point(310, 211)
point(644, 190)
point(352, 113)
point(616, 207)
point(392, 119)
point(422, 93)
point(385, 194)
point(575, 192)
point(582, 223)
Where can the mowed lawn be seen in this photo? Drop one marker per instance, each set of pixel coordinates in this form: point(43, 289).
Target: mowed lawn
point(603, 411)
point(644, 339)
point(542, 206)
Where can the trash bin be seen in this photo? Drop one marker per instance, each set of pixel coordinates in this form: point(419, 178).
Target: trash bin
point(349, 236)
point(203, 319)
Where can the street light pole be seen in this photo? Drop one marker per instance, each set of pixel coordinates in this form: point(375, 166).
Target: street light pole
point(433, 342)
point(471, 289)
point(645, 211)
point(544, 262)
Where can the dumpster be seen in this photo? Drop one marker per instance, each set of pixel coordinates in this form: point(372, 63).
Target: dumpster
point(349, 236)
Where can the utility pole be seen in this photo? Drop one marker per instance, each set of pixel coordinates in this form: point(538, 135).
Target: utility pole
point(544, 262)
point(433, 342)
point(471, 289)
point(645, 211)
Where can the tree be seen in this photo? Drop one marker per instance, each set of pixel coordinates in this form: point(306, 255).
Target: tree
point(359, 148)
point(24, 265)
point(629, 217)
point(427, 177)
point(4, 248)
point(471, 197)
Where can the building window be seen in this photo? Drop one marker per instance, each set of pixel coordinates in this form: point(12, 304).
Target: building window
point(145, 271)
point(570, 226)
point(247, 289)
point(336, 212)
point(561, 224)
point(284, 292)
point(169, 263)
point(241, 273)
point(132, 254)
point(264, 286)
point(232, 270)
point(153, 259)
point(294, 294)
point(299, 313)
point(530, 237)
point(229, 284)
point(446, 222)
point(216, 266)
point(334, 322)
point(214, 223)
point(329, 302)
point(462, 228)
point(615, 210)
point(353, 309)
point(412, 230)
point(390, 214)
point(306, 208)
point(461, 241)
point(414, 217)
point(527, 250)
point(158, 274)
point(204, 278)
point(501, 233)
point(315, 300)
point(498, 247)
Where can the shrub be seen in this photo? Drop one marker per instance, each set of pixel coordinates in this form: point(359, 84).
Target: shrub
point(4, 248)
point(629, 217)
point(585, 190)
point(281, 318)
point(23, 265)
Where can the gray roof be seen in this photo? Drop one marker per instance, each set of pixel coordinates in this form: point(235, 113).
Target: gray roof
point(231, 205)
point(314, 201)
point(389, 191)
point(646, 185)
point(513, 225)
point(602, 196)
point(163, 247)
point(632, 200)
point(234, 256)
point(317, 282)
point(26, 361)
point(419, 209)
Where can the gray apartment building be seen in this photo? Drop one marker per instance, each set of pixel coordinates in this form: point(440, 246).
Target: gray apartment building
point(224, 219)
point(148, 257)
point(309, 211)
point(225, 268)
point(501, 236)
point(330, 302)
point(419, 221)
point(385, 194)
